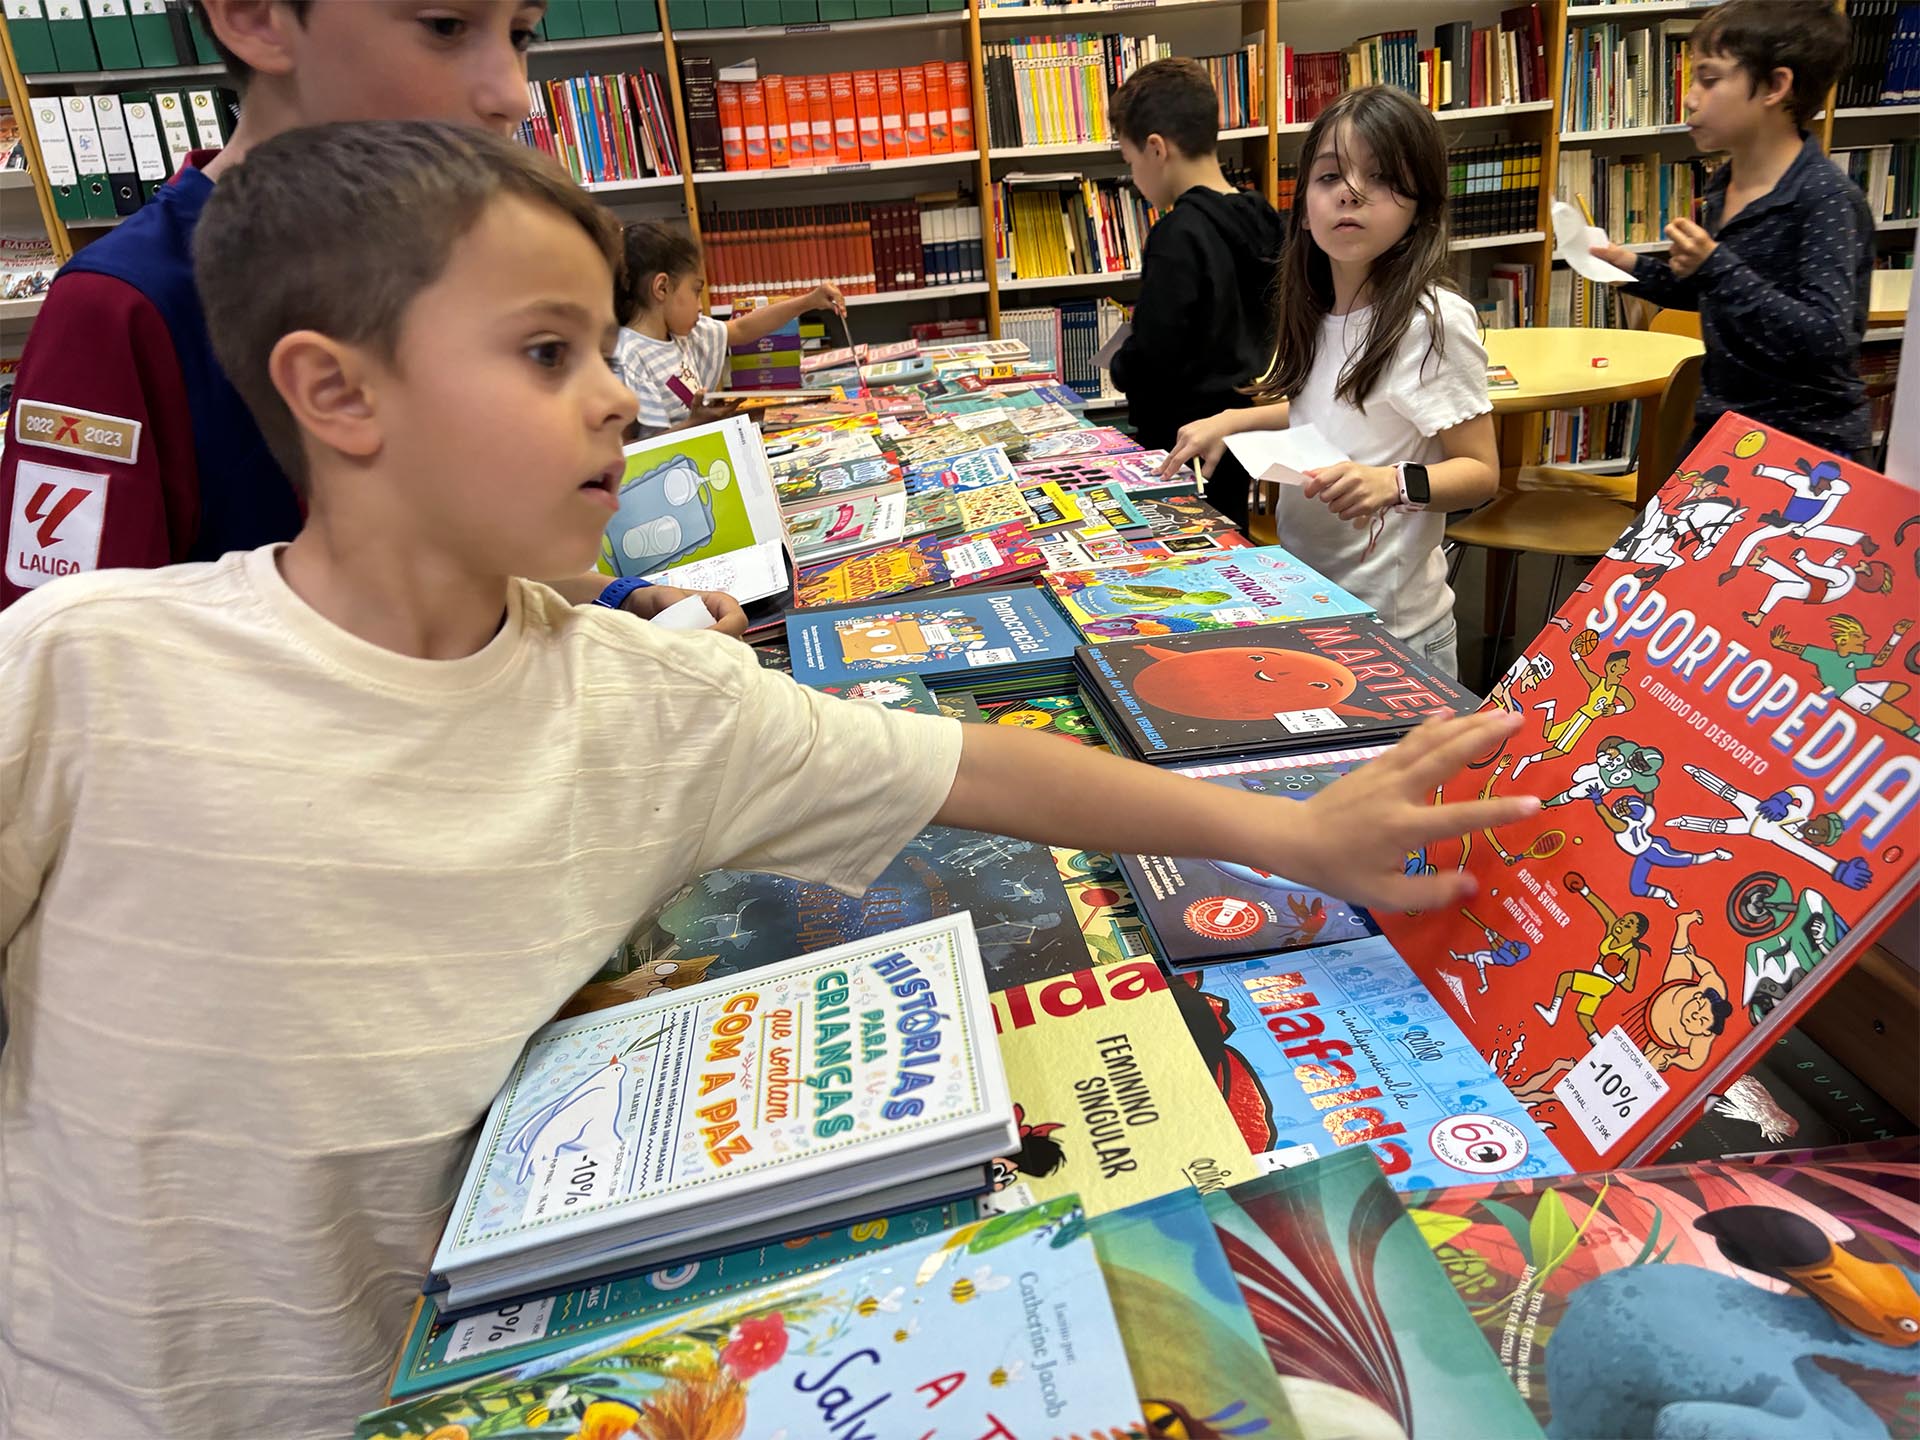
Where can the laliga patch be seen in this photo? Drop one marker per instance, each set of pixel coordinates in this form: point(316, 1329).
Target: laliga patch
point(58, 516)
point(83, 432)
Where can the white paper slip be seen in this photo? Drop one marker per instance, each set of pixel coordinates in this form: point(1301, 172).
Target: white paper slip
point(688, 614)
point(1103, 357)
point(1284, 456)
point(1574, 240)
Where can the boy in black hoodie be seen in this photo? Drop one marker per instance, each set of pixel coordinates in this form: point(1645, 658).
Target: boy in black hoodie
point(1203, 326)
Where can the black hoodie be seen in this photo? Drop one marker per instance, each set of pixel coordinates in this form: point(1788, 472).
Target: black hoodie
point(1204, 322)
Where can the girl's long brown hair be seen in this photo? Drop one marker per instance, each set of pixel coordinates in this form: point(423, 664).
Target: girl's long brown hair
point(1406, 144)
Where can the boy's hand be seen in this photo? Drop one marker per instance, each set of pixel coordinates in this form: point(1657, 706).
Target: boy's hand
point(1364, 825)
point(1202, 440)
point(1614, 254)
point(649, 601)
point(1691, 245)
point(827, 297)
point(1354, 492)
point(707, 411)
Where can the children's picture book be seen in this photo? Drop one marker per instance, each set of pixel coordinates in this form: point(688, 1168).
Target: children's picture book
point(1002, 553)
point(1095, 440)
point(1207, 910)
point(1054, 508)
point(1112, 1101)
point(654, 1128)
point(1002, 1325)
point(1270, 688)
point(972, 469)
point(1103, 906)
point(1137, 472)
point(1110, 504)
point(1729, 1298)
point(945, 640)
point(1182, 515)
point(1720, 722)
point(1189, 594)
point(1211, 543)
point(443, 1350)
point(1075, 548)
point(836, 481)
point(931, 512)
point(1063, 714)
point(1360, 1321)
point(697, 509)
point(897, 569)
point(796, 453)
point(834, 528)
point(731, 922)
point(994, 505)
point(1318, 1050)
point(1197, 1359)
point(895, 692)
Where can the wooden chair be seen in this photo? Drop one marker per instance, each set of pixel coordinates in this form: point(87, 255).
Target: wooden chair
point(1676, 322)
point(1571, 524)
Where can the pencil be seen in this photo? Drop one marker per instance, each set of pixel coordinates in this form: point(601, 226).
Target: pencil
point(1583, 208)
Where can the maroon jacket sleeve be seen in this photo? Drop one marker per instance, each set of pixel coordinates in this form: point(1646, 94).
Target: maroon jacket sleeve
point(98, 344)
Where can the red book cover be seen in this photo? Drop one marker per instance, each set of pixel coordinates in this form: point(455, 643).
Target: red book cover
point(753, 114)
point(1721, 726)
point(820, 117)
point(819, 266)
point(713, 254)
point(866, 110)
point(939, 118)
point(1477, 94)
point(846, 135)
point(799, 126)
point(893, 131)
point(913, 105)
point(863, 255)
point(733, 134)
point(960, 104)
point(773, 96)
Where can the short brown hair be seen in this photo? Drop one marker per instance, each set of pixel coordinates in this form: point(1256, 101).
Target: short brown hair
point(336, 228)
point(237, 69)
point(1173, 99)
point(651, 249)
point(1811, 38)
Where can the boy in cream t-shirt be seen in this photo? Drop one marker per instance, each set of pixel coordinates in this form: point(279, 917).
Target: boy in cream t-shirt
point(297, 847)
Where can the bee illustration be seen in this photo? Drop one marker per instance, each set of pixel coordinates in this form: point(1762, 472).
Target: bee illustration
point(871, 1305)
point(982, 1281)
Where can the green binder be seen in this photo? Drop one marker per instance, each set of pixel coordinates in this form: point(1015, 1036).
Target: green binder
point(32, 41)
point(760, 12)
point(204, 52)
point(687, 14)
point(564, 21)
point(50, 126)
point(113, 35)
point(801, 12)
point(639, 17)
point(153, 33)
point(599, 17)
point(726, 14)
point(72, 36)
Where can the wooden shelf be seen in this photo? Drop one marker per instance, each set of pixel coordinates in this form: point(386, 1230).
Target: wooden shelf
point(1069, 282)
point(1631, 132)
point(1030, 13)
point(15, 311)
point(1492, 242)
point(1621, 12)
point(945, 20)
point(123, 77)
point(1910, 224)
point(625, 187)
point(1102, 147)
point(823, 172)
point(1871, 112)
point(1449, 117)
point(15, 180)
point(92, 223)
point(587, 44)
point(927, 292)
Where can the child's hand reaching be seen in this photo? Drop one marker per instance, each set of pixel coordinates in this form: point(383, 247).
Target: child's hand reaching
point(827, 296)
point(1354, 492)
point(1617, 255)
point(1202, 440)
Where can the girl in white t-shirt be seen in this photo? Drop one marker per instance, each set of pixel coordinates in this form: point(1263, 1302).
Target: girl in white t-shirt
point(1375, 349)
point(670, 352)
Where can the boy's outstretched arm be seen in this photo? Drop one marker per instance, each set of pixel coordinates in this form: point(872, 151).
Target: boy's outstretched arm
point(745, 329)
point(1351, 840)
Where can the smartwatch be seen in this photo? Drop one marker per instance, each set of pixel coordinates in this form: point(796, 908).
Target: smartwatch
point(1415, 492)
point(615, 594)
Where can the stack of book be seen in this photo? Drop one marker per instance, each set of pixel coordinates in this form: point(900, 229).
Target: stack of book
point(1052, 90)
point(604, 128)
point(1509, 298)
point(1240, 80)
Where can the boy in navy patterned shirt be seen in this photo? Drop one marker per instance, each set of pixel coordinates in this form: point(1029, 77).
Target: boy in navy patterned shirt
point(1781, 266)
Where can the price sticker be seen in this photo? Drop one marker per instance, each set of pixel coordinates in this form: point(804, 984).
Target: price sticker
point(571, 1181)
point(1609, 1091)
point(509, 1325)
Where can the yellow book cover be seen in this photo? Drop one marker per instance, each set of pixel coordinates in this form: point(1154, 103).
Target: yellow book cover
point(1069, 508)
point(1113, 1100)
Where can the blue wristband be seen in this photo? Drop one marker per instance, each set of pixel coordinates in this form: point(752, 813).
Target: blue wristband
point(615, 595)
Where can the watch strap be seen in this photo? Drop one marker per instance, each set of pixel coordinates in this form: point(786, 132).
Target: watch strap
point(616, 593)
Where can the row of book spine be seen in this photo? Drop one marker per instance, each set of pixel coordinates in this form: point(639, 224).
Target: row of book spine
point(106, 154)
point(1240, 80)
point(1495, 190)
point(848, 117)
point(1634, 197)
point(1889, 175)
point(1625, 76)
point(604, 128)
point(1884, 66)
point(1465, 68)
point(1508, 301)
point(1592, 432)
point(1050, 226)
point(866, 249)
point(1053, 89)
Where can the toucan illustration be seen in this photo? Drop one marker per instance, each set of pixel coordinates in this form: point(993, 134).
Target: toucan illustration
point(1870, 1296)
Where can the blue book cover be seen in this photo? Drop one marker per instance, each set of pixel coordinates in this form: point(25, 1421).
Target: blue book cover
point(1000, 1327)
point(947, 639)
point(1180, 595)
point(1342, 1046)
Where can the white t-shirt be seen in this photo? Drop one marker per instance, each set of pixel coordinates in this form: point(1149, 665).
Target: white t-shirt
point(1417, 396)
point(278, 909)
point(698, 359)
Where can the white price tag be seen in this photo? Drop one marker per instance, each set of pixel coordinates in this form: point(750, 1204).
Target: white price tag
point(571, 1180)
point(1610, 1089)
point(971, 556)
point(1308, 722)
point(509, 1325)
point(1285, 1158)
point(993, 655)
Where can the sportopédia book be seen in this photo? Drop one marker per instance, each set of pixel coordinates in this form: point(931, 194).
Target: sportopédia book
point(1721, 728)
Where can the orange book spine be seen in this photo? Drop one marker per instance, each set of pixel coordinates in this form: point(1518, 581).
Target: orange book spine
point(820, 118)
point(753, 117)
point(939, 121)
point(821, 266)
point(846, 134)
point(773, 95)
point(733, 137)
point(893, 125)
point(747, 247)
point(866, 107)
point(863, 243)
point(913, 104)
point(799, 132)
point(717, 248)
point(960, 104)
point(842, 272)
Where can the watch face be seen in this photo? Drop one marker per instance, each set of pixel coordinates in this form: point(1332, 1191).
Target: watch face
point(1418, 490)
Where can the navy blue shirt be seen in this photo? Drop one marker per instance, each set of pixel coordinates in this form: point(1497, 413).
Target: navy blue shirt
point(1783, 304)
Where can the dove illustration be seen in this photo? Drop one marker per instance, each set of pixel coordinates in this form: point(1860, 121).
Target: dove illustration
point(587, 1117)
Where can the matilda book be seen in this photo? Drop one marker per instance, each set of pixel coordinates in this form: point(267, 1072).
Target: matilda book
point(656, 1128)
point(1723, 1298)
point(1360, 1321)
point(730, 922)
point(1269, 688)
point(1188, 594)
point(697, 509)
point(999, 1327)
point(947, 641)
point(1111, 1100)
point(1721, 724)
point(1202, 910)
point(443, 1350)
point(1319, 1050)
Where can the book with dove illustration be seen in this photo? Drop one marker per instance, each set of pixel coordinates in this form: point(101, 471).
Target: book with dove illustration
point(1723, 725)
point(852, 1081)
